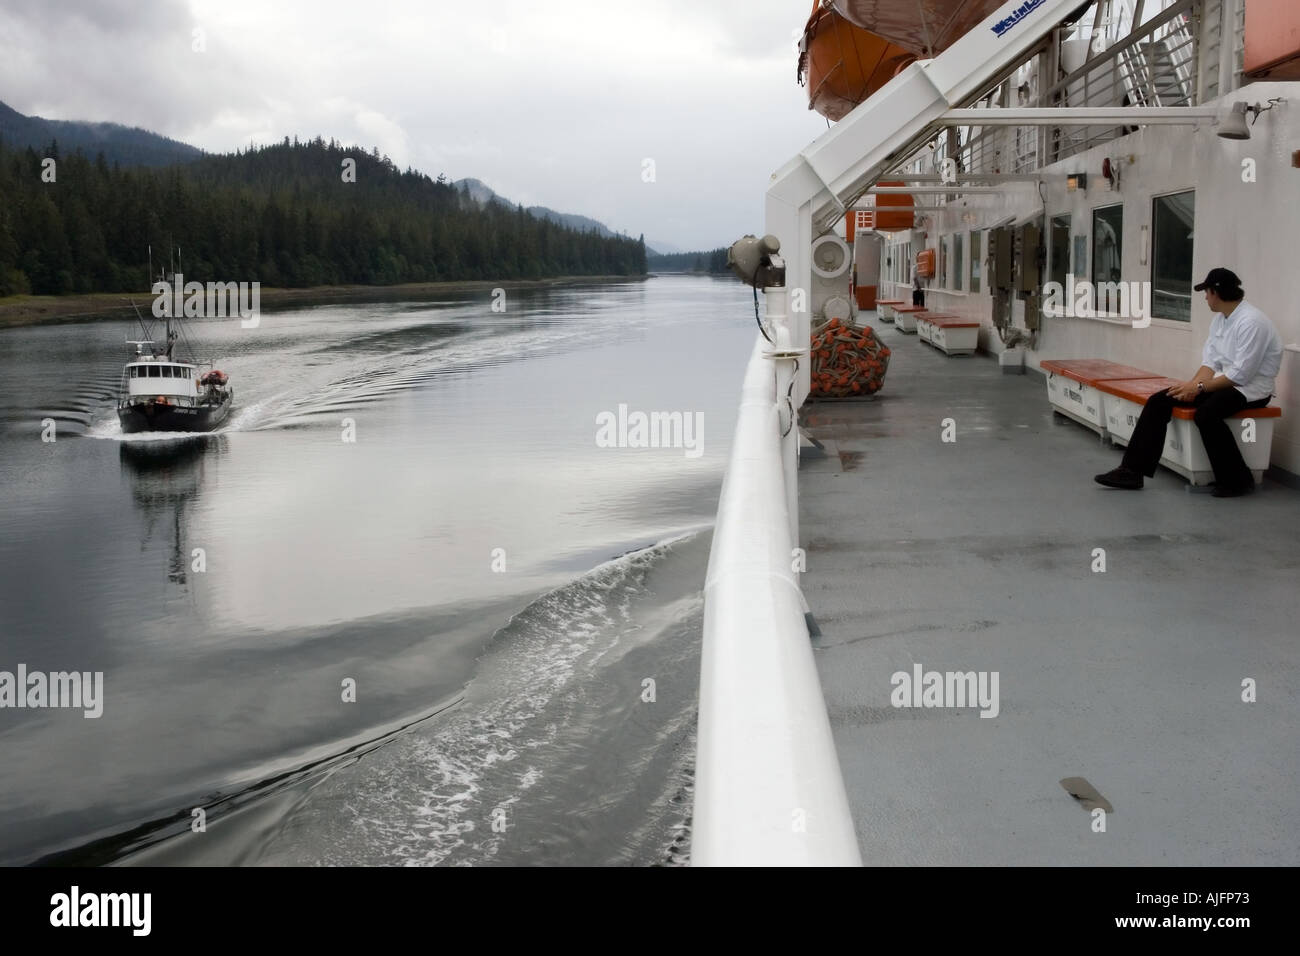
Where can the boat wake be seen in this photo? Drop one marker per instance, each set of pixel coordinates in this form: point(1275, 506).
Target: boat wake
point(575, 737)
point(320, 380)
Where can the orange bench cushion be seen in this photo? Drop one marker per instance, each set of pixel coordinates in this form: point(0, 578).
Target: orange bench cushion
point(1268, 411)
point(891, 302)
point(1092, 371)
point(952, 321)
point(1136, 389)
point(1140, 389)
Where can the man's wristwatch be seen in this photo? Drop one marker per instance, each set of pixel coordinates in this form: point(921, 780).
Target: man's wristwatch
point(1200, 388)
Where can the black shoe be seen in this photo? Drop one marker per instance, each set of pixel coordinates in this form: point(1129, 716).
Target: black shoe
point(1121, 477)
point(1230, 491)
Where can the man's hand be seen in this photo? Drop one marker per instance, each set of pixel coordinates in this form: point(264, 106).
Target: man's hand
point(1184, 391)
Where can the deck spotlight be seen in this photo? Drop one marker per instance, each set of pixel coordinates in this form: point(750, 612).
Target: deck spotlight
point(1233, 125)
point(751, 259)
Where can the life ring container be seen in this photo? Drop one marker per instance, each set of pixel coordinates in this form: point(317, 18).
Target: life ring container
point(925, 263)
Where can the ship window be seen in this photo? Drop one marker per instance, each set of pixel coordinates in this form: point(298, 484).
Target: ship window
point(1058, 247)
point(957, 262)
point(974, 261)
point(135, 372)
point(1107, 256)
point(154, 372)
point(1173, 221)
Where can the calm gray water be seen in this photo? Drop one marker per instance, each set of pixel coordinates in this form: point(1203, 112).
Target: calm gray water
point(500, 715)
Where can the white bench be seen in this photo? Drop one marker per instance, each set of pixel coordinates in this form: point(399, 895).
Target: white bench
point(1072, 387)
point(1184, 452)
point(905, 317)
point(885, 308)
point(949, 333)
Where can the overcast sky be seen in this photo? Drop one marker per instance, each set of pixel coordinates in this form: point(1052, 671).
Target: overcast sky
point(556, 103)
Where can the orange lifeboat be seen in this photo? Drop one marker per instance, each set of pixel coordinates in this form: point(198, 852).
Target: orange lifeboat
point(1273, 40)
point(842, 64)
point(922, 27)
point(894, 210)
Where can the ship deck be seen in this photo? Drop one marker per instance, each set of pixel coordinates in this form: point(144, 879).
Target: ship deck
point(977, 555)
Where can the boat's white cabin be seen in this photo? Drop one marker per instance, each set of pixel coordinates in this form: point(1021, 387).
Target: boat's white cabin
point(149, 378)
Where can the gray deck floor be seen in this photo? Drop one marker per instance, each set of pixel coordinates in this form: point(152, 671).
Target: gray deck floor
point(977, 556)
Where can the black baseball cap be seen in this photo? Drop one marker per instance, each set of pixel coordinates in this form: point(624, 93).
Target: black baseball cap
point(1220, 281)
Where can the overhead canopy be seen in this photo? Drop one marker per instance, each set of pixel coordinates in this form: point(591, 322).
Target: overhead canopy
point(923, 27)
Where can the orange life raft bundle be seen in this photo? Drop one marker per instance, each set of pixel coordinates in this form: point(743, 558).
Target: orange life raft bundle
point(848, 361)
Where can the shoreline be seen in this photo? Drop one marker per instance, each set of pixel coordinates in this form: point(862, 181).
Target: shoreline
point(50, 309)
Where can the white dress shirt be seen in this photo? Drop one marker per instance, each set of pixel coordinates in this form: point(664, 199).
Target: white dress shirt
point(1246, 348)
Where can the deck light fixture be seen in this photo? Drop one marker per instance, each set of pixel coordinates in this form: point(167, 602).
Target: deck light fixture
point(1233, 125)
point(1076, 182)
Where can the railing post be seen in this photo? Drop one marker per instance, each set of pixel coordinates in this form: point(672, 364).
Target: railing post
point(1227, 46)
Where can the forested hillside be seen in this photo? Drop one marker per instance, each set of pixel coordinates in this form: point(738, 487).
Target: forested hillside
point(282, 215)
point(714, 261)
point(130, 146)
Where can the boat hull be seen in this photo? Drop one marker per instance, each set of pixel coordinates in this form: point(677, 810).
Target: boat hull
point(845, 64)
point(924, 28)
point(155, 417)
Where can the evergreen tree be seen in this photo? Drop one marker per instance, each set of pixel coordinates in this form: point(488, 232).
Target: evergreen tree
point(277, 214)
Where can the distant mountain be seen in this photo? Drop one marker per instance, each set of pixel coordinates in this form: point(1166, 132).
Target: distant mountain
point(481, 192)
point(663, 248)
point(129, 146)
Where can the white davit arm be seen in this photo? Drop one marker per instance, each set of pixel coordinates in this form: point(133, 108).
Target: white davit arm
point(872, 138)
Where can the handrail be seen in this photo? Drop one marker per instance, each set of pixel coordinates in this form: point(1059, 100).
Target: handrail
point(768, 784)
point(768, 789)
point(1138, 33)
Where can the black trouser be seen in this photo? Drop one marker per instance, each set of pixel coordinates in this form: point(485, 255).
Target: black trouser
point(918, 298)
point(1148, 441)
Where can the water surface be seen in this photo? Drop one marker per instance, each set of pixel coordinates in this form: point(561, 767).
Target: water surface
point(506, 596)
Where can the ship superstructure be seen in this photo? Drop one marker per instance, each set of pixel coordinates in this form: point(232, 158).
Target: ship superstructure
point(1033, 149)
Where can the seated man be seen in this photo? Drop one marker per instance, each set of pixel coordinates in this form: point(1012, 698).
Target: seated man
point(1238, 364)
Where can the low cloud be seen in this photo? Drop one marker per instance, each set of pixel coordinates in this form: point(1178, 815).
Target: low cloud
point(557, 105)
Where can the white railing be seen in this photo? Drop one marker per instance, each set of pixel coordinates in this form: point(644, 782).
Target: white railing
point(768, 784)
point(768, 789)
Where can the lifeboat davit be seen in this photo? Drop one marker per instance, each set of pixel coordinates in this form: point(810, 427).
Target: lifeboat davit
point(924, 28)
point(842, 64)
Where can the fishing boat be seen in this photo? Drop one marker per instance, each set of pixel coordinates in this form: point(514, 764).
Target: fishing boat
point(163, 393)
